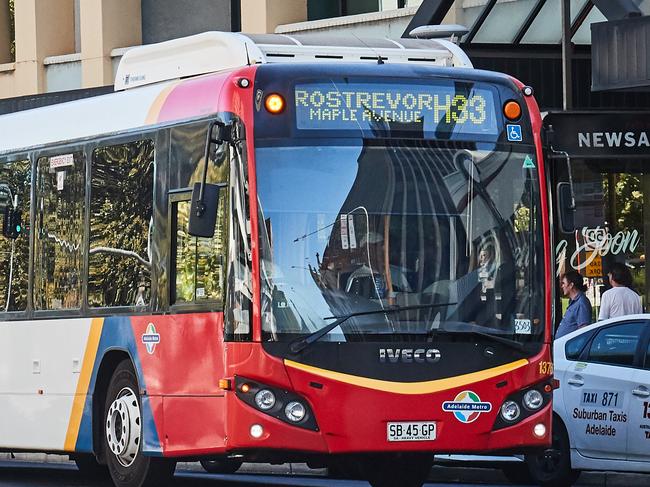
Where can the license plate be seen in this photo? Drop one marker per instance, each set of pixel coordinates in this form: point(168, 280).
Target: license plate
point(411, 431)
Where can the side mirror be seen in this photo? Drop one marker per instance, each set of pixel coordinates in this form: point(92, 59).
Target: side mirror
point(566, 208)
point(203, 211)
point(205, 197)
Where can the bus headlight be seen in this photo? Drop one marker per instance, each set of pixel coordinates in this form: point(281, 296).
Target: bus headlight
point(265, 399)
point(295, 411)
point(282, 404)
point(510, 411)
point(524, 403)
point(533, 400)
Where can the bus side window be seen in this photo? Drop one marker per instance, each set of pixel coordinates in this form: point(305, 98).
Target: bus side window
point(59, 231)
point(198, 264)
point(15, 186)
point(121, 225)
point(237, 319)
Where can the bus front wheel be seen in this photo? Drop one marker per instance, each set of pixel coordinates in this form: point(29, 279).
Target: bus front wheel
point(122, 424)
point(552, 467)
point(88, 465)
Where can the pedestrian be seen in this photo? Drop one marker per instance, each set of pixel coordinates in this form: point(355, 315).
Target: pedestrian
point(578, 314)
point(620, 300)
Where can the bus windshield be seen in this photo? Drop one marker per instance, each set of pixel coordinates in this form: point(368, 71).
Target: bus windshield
point(450, 231)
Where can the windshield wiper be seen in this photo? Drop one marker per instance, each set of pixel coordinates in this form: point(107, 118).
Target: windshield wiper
point(300, 344)
point(495, 338)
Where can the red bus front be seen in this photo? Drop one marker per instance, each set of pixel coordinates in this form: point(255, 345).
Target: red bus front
point(396, 304)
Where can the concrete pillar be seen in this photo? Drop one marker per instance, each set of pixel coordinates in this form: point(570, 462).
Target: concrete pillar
point(106, 25)
point(5, 39)
point(43, 28)
point(263, 16)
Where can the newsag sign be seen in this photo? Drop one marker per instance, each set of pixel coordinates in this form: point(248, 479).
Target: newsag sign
point(598, 134)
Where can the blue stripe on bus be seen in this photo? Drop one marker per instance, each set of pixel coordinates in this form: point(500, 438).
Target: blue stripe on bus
point(117, 334)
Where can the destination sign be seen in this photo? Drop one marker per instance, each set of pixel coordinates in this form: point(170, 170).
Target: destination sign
point(354, 106)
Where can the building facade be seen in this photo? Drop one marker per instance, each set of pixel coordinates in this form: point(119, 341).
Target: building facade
point(54, 46)
point(49, 46)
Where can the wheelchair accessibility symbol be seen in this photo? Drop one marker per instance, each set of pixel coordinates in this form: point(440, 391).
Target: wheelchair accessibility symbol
point(514, 133)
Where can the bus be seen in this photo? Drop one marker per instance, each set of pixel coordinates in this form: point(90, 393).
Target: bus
point(270, 249)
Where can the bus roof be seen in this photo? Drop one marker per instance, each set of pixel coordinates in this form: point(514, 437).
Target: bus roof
point(219, 51)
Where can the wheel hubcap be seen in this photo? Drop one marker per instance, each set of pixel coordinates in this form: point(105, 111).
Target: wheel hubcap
point(123, 427)
point(551, 460)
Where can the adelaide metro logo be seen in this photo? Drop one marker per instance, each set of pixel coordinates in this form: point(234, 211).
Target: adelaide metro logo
point(466, 406)
point(150, 338)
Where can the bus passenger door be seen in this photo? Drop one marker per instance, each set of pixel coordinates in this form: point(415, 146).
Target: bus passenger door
point(197, 294)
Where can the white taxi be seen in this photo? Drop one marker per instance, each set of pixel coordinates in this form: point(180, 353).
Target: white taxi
point(602, 407)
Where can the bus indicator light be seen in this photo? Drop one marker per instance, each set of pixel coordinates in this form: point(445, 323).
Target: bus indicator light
point(274, 103)
point(225, 384)
point(512, 110)
point(245, 388)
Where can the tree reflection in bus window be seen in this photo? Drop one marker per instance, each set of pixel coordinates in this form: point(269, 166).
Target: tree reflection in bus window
point(199, 262)
point(59, 227)
point(121, 208)
point(14, 254)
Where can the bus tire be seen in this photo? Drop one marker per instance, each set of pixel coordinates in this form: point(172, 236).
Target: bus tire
point(552, 467)
point(122, 435)
point(518, 473)
point(222, 466)
point(405, 470)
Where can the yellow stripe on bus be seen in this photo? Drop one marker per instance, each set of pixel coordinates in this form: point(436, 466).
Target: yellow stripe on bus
point(83, 384)
point(157, 105)
point(427, 387)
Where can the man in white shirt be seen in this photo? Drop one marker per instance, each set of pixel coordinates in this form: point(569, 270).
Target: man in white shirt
point(620, 300)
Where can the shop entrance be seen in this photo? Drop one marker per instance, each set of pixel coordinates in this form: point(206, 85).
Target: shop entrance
point(600, 161)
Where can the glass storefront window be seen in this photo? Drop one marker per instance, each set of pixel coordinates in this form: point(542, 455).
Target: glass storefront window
point(608, 225)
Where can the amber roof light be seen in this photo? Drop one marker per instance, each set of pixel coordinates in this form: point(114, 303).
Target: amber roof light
point(512, 110)
point(274, 103)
